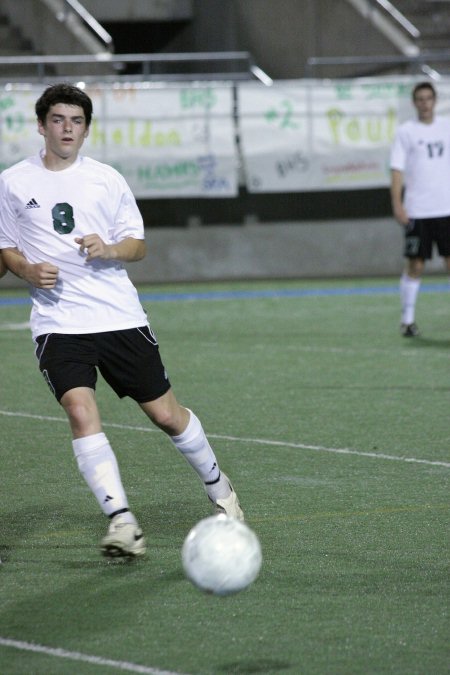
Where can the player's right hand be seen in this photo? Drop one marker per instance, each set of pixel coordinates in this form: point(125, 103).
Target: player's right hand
point(41, 275)
point(401, 215)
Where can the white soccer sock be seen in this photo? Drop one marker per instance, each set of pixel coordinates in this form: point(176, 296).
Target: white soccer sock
point(194, 446)
point(409, 289)
point(98, 465)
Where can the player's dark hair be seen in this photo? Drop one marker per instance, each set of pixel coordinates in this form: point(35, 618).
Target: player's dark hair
point(63, 93)
point(423, 85)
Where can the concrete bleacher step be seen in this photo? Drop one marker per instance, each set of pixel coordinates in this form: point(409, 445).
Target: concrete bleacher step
point(12, 43)
point(432, 19)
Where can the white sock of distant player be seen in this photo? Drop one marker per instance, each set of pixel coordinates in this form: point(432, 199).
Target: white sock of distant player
point(194, 445)
point(98, 466)
point(409, 289)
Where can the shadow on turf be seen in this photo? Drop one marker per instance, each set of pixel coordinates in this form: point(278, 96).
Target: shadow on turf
point(75, 590)
point(78, 532)
point(259, 666)
point(430, 343)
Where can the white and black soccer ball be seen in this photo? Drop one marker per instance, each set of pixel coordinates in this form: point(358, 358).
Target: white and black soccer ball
point(221, 555)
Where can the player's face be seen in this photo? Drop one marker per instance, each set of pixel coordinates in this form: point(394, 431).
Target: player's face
point(424, 101)
point(64, 131)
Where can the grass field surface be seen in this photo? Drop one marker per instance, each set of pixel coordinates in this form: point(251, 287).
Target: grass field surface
point(335, 432)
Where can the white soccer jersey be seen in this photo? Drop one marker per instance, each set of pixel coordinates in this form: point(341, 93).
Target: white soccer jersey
point(422, 152)
point(41, 213)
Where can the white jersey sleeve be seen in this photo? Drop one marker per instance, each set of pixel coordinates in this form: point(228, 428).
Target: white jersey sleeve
point(9, 234)
point(399, 150)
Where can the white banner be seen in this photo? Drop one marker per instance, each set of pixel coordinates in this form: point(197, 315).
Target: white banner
point(167, 142)
point(19, 137)
point(323, 135)
point(180, 141)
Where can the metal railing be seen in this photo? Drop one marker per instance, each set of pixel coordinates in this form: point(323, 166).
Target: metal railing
point(90, 21)
point(143, 64)
point(389, 22)
point(419, 63)
point(399, 18)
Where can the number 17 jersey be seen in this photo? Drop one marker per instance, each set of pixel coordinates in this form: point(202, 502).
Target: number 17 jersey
point(422, 152)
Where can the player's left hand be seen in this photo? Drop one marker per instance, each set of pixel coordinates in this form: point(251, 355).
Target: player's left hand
point(94, 246)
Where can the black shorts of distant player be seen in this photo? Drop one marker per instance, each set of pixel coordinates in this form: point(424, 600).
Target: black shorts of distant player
point(422, 233)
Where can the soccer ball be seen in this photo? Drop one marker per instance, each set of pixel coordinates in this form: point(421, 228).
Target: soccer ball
point(221, 555)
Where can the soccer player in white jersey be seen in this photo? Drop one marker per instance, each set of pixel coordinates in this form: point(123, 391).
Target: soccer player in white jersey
point(420, 194)
point(67, 223)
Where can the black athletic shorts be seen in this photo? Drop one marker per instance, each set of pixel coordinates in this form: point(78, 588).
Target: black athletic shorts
point(128, 360)
point(422, 233)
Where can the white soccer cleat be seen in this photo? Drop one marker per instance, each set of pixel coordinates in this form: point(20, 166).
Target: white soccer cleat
point(229, 506)
point(123, 539)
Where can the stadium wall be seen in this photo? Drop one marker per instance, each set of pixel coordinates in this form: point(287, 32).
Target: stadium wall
point(279, 250)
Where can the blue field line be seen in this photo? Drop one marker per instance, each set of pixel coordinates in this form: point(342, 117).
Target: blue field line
point(284, 293)
point(186, 296)
point(14, 301)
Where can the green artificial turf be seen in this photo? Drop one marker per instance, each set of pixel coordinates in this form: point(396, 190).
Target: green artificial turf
point(335, 432)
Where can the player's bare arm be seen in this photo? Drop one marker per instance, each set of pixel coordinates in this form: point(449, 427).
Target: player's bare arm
point(127, 250)
point(398, 209)
point(40, 275)
point(3, 268)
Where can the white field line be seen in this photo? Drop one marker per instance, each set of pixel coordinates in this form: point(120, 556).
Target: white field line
point(24, 325)
point(258, 441)
point(86, 658)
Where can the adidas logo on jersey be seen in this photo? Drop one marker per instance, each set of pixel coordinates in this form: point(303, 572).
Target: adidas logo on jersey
point(32, 204)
